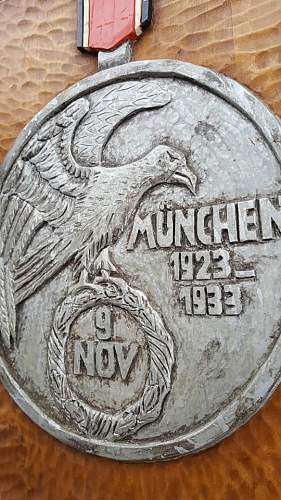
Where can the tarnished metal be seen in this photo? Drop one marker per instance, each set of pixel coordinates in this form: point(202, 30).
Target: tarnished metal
point(140, 257)
point(121, 55)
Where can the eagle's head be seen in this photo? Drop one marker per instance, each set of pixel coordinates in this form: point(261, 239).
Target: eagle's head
point(165, 165)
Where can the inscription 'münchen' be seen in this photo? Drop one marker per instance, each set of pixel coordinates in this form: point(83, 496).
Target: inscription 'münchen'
point(195, 234)
point(235, 222)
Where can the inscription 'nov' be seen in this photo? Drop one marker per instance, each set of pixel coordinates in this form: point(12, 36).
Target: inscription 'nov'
point(104, 357)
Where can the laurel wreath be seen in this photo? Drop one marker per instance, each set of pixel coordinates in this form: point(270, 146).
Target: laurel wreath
point(90, 421)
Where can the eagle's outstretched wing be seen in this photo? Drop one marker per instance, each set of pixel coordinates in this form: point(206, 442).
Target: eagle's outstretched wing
point(111, 107)
point(39, 194)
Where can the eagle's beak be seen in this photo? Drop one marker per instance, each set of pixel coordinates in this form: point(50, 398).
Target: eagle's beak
point(186, 178)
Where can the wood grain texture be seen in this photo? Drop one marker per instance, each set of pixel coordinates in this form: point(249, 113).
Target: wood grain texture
point(38, 59)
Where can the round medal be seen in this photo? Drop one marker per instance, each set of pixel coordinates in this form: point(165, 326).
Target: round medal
point(140, 256)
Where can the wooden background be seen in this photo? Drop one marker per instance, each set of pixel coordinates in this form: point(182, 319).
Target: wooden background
point(38, 59)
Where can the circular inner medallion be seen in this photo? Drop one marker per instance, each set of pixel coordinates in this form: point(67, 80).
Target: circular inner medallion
point(107, 360)
point(140, 261)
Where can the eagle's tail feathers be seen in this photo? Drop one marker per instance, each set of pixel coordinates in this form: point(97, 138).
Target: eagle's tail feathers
point(7, 305)
point(43, 269)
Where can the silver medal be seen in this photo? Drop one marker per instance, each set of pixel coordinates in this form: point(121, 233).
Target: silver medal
point(140, 261)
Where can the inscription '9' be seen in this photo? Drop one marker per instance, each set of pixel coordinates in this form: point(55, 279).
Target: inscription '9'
point(103, 356)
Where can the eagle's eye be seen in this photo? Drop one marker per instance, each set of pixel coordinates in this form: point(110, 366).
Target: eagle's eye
point(172, 158)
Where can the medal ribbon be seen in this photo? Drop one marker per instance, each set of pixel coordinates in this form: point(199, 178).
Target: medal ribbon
point(106, 24)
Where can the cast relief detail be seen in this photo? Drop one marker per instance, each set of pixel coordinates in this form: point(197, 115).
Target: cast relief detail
point(90, 421)
point(140, 233)
point(61, 204)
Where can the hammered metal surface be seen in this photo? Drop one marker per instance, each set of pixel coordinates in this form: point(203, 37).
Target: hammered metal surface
point(241, 39)
point(39, 58)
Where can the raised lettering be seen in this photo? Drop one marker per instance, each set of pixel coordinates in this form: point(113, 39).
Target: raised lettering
point(203, 258)
point(103, 321)
point(214, 297)
point(84, 357)
point(202, 225)
point(232, 300)
point(221, 260)
point(164, 228)
point(186, 266)
point(175, 263)
point(144, 228)
point(199, 300)
point(126, 354)
point(227, 225)
point(185, 297)
point(269, 215)
point(105, 359)
point(184, 225)
point(247, 220)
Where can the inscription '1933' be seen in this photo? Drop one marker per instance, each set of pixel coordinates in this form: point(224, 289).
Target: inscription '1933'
point(212, 300)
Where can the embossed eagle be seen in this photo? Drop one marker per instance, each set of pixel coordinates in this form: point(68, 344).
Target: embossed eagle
point(61, 203)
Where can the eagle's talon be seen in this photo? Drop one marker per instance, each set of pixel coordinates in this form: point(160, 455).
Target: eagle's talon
point(105, 274)
point(103, 265)
point(84, 277)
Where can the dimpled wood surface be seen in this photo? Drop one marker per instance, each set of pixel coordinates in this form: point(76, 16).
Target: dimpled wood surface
point(38, 59)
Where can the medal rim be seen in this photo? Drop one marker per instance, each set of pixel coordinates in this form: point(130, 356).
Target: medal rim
point(267, 377)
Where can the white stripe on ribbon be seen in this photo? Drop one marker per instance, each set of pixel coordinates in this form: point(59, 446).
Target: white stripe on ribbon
point(138, 12)
point(86, 23)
